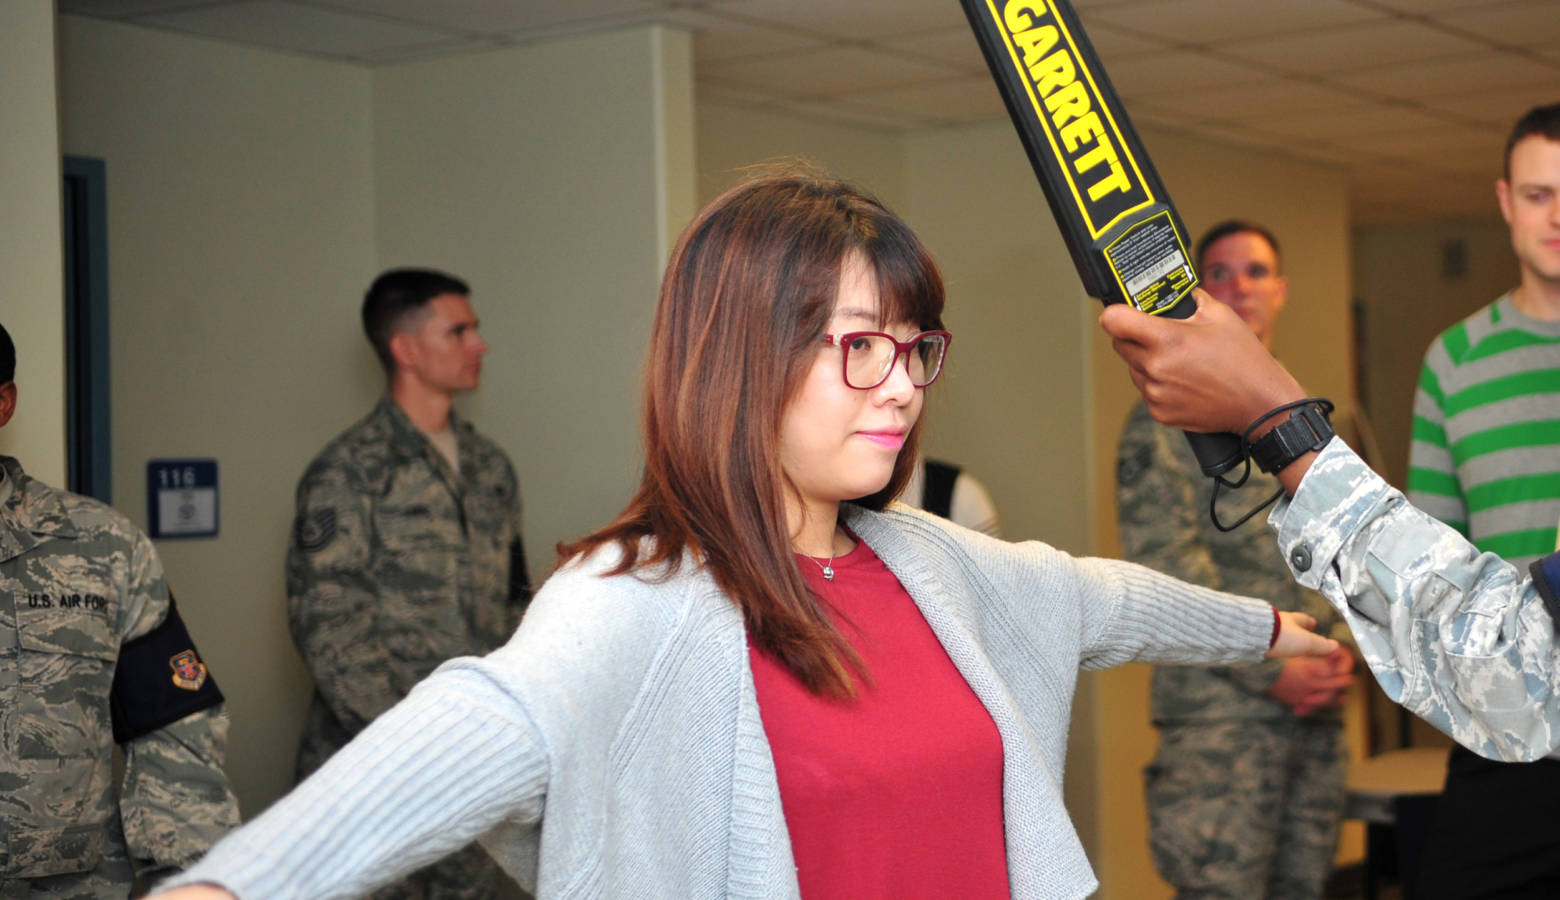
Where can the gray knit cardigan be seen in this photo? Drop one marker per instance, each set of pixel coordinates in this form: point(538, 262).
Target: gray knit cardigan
point(613, 748)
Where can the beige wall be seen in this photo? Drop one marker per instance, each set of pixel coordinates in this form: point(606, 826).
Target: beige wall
point(30, 255)
point(1409, 299)
point(240, 211)
point(732, 138)
point(252, 195)
point(549, 177)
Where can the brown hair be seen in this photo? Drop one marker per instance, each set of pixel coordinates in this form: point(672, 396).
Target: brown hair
point(746, 299)
point(1236, 226)
point(1540, 120)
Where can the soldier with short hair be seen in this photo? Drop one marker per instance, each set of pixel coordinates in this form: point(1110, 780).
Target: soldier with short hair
point(1246, 791)
point(406, 548)
point(93, 654)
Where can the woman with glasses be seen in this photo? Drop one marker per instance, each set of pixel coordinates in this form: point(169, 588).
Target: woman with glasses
point(762, 679)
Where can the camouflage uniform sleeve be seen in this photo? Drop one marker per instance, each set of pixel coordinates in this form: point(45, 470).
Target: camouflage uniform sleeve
point(1158, 516)
point(1460, 638)
point(175, 801)
point(332, 599)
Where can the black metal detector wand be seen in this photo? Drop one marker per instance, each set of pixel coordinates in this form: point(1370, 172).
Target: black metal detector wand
point(1126, 239)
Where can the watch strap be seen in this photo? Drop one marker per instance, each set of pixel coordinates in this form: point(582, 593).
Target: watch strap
point(1306, 429)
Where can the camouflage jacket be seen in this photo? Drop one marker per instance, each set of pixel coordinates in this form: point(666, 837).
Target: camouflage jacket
point(1460, 638)
point(1162, 502)
point(395, 565)
point(77, 581)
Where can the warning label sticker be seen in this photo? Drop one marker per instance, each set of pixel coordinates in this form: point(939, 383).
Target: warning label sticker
point(1149, 262)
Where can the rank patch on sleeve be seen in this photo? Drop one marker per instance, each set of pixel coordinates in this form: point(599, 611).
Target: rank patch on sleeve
point(315, 530)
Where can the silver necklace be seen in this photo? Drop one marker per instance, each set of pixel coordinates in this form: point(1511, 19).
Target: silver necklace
point(826, 568)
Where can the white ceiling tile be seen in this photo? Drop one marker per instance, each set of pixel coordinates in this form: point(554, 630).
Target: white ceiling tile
point(717, 37)
point(1434, 143)
point(494, 16)
point(1522, 24)
point(1331, 154)
point(1169, 73)
point(833, 71)
point(840, 110)
point(1245, 137)
point(450, 47)
point(1362, 46)
point(705, 90)
point(1237, 100)
point(1112, 43)
point(1219, 21)
point(854, 20)
point(1346, 124)
point(1431, 6)
point(1489, 71)
point(896, 64)
point(302, 29)
point(1499, 109)
point(955, 46)
point(123, 9)
point(955, 100)
point(1150, 111)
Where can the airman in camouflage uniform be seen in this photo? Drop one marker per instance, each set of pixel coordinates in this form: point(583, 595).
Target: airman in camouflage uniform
point(78, 584)
point(1463, 639)
point(92, 653)
point(1246, 791)
point(1244, 794)
point(400, 560)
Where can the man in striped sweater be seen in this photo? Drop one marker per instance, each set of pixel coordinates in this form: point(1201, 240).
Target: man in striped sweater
point(1486, 459)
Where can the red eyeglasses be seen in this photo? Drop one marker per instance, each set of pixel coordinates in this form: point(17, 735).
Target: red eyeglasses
point(869, 356)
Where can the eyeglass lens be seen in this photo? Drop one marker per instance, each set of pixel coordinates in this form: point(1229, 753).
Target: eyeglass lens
point(869, 357)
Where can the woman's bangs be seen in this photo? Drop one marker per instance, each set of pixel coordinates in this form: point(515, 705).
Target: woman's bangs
point(909, 286)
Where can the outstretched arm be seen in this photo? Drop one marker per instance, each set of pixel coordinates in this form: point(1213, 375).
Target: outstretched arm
point(1462, 639)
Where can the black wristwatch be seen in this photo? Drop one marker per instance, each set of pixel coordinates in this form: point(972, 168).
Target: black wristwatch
point(1306, 429)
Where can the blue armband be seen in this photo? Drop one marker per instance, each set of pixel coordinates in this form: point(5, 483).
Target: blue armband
point(1546, 577)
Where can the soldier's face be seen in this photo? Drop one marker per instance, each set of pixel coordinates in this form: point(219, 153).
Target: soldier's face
point(7, 401)
point(1240, 270)
point(445, 352)
point(1530, 201)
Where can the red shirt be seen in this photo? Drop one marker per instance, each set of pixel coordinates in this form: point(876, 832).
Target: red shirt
point(897, 792)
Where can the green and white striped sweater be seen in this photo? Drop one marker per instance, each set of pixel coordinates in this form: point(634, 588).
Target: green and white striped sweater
point(1485, 456)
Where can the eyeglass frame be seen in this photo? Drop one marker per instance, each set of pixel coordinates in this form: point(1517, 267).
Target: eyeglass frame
point(901, 348)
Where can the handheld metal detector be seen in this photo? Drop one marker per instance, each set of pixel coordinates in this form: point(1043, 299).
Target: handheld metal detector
point(1125, 237)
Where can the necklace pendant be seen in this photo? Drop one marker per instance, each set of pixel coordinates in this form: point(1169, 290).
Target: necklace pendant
point(828, 573)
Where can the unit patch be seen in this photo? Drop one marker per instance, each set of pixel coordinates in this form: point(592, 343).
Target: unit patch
point(189, 672)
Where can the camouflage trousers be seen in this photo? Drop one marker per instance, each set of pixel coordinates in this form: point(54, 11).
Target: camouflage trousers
point(1246, 810)
point(467, 874)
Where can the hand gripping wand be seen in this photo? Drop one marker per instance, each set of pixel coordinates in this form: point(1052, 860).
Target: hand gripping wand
point(1125, 237)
